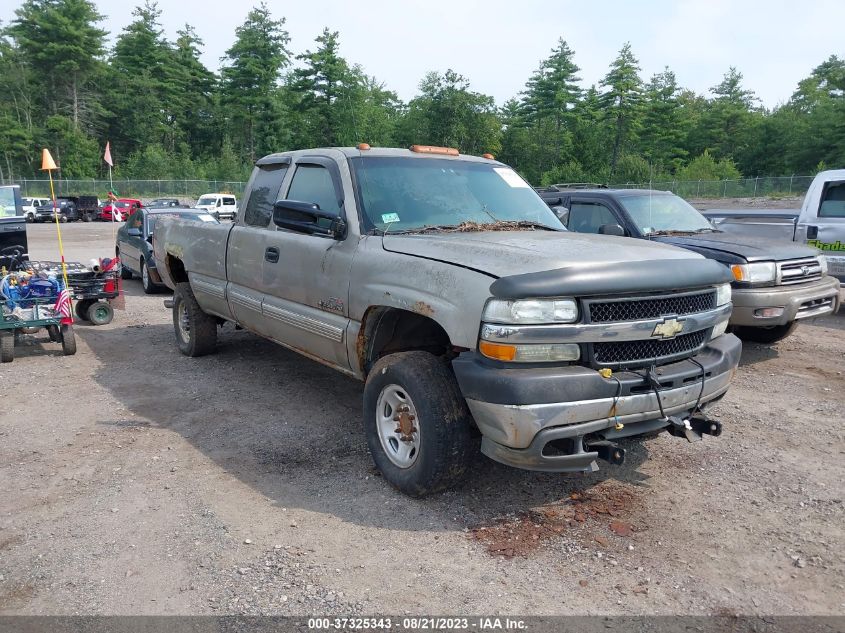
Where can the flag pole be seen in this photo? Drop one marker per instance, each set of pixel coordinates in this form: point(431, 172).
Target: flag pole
point(48, 165)
point(108, 159)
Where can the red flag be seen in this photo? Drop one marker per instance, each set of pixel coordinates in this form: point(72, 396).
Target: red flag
point(107, 155)
point(63, 306)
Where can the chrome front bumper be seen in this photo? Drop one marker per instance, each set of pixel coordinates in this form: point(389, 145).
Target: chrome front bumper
point(517, 434)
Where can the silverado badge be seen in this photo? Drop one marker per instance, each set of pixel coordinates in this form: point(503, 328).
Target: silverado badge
point(668, 328)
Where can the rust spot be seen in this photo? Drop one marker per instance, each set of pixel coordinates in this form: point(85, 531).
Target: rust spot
point(421, 307)
point(361, 350)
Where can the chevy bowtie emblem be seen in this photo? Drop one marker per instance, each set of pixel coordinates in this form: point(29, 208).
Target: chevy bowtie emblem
point(668, 328)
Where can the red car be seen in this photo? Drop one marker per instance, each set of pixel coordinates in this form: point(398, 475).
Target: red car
point(121, 209)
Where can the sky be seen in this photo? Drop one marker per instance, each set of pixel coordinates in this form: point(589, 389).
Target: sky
point(497, 44)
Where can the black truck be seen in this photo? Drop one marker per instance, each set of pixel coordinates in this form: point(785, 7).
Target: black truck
point(13, 244)
point(776, 283)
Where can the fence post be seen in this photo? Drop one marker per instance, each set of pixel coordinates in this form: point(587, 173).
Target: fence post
point(756, 180)
point(725, 190)
point(790, 183)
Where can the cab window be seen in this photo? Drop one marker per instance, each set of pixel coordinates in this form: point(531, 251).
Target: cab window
point(136, 220)
point(833, 203)
point(264, 193)
point(588, 217)
point(313, 183)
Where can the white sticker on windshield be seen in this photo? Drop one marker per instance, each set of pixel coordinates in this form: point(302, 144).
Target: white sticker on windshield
point(510, 177)
point(389, 217)
point(207, 218)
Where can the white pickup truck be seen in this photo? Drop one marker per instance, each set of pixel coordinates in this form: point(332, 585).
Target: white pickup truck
point(819, 223)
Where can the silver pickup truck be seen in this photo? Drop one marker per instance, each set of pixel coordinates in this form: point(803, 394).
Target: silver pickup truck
point(447, 285)
point(820, 222)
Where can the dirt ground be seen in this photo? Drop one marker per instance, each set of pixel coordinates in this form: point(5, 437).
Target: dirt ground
point(134, 480)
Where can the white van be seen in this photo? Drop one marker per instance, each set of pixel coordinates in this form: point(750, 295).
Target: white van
point(223, 206)
point(30, 205)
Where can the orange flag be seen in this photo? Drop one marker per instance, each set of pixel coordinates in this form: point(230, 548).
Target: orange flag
point(107, 155)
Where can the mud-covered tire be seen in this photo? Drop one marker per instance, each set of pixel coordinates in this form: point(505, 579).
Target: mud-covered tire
point(100, 313)
point(146, 282)
point(68, 340)
point(446, 442)
point(196, 331)
point(86, 217)
point(81, 308)
point(765, 335)
point(7, 346)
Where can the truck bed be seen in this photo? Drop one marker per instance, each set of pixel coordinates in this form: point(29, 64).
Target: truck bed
point(765, 223)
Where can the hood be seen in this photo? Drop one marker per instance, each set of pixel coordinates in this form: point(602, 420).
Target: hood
point(503, 253)
point(727, 246)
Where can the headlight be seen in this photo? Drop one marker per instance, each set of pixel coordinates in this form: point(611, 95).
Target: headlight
point(531, 311)
point(530, 353)
point(758, 272)
point(823, 264)
point(723, 294)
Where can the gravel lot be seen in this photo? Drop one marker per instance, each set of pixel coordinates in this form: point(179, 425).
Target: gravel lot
point(134, 480)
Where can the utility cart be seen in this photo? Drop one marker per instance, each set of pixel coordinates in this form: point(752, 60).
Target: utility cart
point(29, 303)
point(93, 287)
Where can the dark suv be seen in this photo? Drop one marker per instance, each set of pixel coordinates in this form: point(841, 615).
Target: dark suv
point(777, 283)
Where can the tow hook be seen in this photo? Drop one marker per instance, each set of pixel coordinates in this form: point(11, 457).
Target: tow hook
point(608, 451)
point(693, 428)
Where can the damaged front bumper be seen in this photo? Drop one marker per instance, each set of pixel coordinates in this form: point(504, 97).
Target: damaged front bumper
point(546, 418)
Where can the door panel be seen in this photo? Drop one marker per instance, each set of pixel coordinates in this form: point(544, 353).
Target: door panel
point(306, 291)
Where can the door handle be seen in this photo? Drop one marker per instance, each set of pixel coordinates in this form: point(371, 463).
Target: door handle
point(272, 254)
point(812, 232)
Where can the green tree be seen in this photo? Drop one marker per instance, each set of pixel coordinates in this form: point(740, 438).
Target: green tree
point(250, 82)
point(663, 134)
point(622, 101)
point(448, 113)
point(61, 42)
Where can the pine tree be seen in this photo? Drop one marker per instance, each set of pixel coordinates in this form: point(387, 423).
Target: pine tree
point(250, 82)
point(61, 42)
point(663, 132)
point(622, 101)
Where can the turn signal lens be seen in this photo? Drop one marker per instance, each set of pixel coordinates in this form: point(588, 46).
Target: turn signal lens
point(757, 272)
point(497, 351)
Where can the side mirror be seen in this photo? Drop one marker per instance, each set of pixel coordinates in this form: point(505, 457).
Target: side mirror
point(611, 229)
point(562, 214)
point(133, 232)
point(307, 217)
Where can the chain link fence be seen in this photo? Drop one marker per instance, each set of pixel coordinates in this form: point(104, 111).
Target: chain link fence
point(185, 190)
point(763, 186)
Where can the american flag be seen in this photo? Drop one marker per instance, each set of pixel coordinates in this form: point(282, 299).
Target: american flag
point(63, 306)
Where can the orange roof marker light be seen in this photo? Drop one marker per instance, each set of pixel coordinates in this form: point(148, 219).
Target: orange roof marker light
point(488, 156)
point(431, 149)
point(363, 146)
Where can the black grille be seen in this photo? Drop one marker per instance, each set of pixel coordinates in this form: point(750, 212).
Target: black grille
point(651, 308)
point(642, 353)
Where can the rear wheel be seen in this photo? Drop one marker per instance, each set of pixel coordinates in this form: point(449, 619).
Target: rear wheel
point(7, 346)
point(765, 334)
point(196, 331)
point(86, 217)
point(100, 313)
point(81, 308)
point(53, 333)
point(146, 282)
point(417, 424)
point(68, 340)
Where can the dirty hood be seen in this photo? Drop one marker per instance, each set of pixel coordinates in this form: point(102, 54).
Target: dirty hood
point(505, 253)
point(752, 249)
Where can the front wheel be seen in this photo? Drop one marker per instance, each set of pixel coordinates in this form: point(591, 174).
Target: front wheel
point(100, 313)
point(68, 340)
point(125, 273)
point(196, 331)
point(771, 334)
point(416, 422)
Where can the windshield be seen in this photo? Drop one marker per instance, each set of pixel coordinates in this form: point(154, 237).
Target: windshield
point(207, 200)
point(412, 193)
point(664, 212)
point(8, 208)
